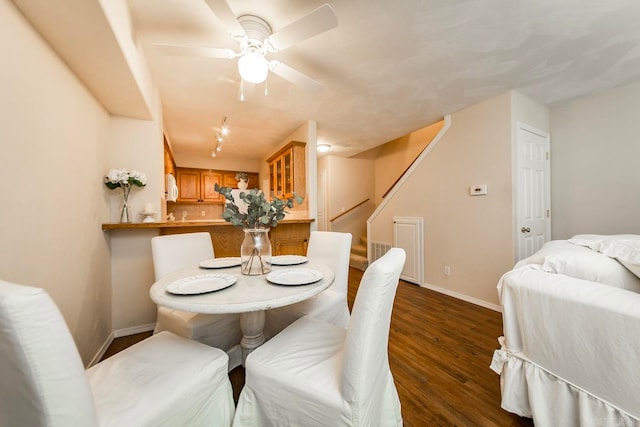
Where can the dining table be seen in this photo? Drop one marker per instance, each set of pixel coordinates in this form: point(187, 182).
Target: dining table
point(217, 286)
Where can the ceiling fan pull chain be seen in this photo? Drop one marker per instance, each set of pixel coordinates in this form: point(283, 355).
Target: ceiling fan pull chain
point(241, 89)
point(266, 87)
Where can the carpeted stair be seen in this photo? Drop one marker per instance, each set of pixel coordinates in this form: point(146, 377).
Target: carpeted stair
point(358, 258)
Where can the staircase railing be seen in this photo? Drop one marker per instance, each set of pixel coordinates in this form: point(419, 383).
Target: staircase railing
point(348, 210)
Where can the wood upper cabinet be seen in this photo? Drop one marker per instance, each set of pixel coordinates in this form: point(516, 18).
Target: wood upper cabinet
point(198, 185)
point(188, 185)
point(169, 163)
point(287, 171)
point(229, 180)
point(208, 181)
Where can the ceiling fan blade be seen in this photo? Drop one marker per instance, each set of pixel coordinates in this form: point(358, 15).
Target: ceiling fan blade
point(294, 76)
point(224, 13)
point(208, 52)
point(316, 22)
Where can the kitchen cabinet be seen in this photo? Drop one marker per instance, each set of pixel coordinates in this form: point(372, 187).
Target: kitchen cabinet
point(291, 239)
point(208, 181)
point(229, 180)
point(188, 185)
point(287, 171)
point(198, 186)
point(169, 163)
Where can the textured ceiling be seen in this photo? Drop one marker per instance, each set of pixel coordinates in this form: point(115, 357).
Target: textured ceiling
point(389, 68)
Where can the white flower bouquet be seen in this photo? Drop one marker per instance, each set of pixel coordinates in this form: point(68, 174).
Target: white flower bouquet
point(125, 179)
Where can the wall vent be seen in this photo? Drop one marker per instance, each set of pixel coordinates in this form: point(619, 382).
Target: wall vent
point(378, 249)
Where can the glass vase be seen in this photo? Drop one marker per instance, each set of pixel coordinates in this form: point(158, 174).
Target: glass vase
point(125, 214)
point(255, 252)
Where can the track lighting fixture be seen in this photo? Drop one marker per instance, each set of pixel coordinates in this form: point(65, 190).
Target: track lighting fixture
point(220, 134)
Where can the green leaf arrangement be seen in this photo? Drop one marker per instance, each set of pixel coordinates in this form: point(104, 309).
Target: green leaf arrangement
point(260, 213)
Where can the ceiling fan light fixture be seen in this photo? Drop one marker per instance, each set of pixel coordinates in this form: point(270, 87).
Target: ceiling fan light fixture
point(253, 67)
point(323, 148)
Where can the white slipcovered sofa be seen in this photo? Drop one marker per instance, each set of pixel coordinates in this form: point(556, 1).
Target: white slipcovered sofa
point(570, 354)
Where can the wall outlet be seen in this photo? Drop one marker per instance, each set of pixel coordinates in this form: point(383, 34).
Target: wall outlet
point(447, 270)
point(203, 213)
point(478, 190)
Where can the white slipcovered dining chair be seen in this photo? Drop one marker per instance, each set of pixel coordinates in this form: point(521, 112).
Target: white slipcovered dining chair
point(315, 373)
point(333, 249)
point(164, 380)
point(176, 251)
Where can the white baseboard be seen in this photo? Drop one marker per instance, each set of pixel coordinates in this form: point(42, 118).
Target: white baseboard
point(102, 350)
point(463, 297)
point(117, 334)
point(133, 330)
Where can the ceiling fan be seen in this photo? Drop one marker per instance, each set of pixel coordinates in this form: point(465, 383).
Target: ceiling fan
point(256, 40)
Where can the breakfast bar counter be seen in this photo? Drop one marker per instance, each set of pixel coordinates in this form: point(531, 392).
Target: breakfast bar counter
point(290, 237)
point(193, 223)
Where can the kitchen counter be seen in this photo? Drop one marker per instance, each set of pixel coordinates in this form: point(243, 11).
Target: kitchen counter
point(290, 237)
point(192, 223)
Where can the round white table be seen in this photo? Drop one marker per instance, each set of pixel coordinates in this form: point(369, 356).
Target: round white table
point(249, 295)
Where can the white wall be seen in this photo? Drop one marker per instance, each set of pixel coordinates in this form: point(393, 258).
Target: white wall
point(135, 144)
point(394, 157)
point(349, 182)
point(472, 235)
point(57, 143)
point(594, 164)
point(54, 140)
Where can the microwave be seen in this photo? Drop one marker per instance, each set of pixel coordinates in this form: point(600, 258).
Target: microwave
point(172, 188)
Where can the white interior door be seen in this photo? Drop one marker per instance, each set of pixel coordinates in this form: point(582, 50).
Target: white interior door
point(533, 225)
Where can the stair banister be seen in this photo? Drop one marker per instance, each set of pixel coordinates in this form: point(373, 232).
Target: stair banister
point(349, 210)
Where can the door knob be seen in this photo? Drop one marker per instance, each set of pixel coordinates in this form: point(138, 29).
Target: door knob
point(525, 229)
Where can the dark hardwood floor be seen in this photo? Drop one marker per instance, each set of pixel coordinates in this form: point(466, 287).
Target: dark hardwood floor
point(440, 349)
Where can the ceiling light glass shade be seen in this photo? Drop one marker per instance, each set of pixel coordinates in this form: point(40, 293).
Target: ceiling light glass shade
point(253, 67)
point(323, 148)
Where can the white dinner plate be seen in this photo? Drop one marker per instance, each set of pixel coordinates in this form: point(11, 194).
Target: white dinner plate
point(220, 262)
point(294, 276)
point(201, 284)
point(288, 259)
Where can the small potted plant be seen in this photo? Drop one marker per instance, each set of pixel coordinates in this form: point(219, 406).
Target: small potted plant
point(256, 217)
